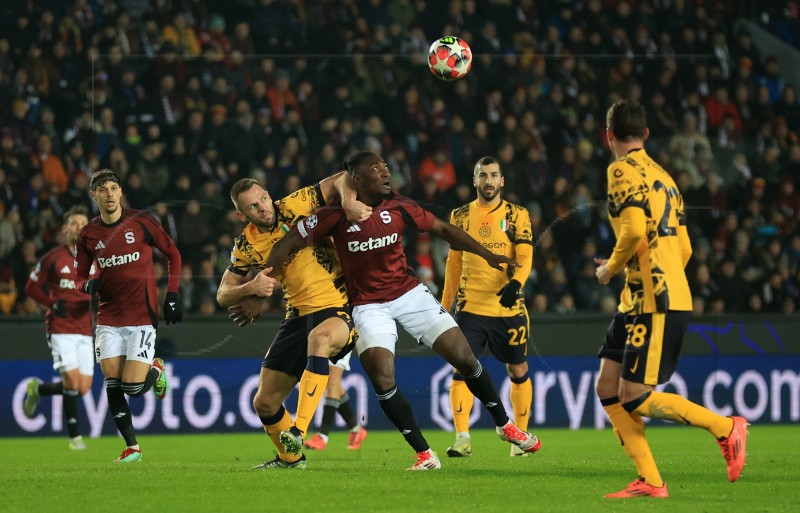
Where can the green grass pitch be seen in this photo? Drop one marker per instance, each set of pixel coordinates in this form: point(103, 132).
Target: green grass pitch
point(198, 473)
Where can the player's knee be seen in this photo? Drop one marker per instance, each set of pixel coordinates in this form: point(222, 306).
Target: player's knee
point(605, 390)
point(133, 389)
point(517, 370)
point(266, 405)
point(382, 379)
point(465, 363)
point(84, 388)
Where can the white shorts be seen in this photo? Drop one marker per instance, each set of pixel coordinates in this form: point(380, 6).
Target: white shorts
point(344, 362)
point(136, 343)
point(420, 314)
point(71, 351)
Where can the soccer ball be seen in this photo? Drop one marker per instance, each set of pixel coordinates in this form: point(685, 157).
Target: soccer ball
point(450, 58)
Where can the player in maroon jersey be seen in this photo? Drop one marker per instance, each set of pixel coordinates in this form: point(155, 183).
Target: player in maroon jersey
point(383, 289)
point(68, 324)
point(121, 241)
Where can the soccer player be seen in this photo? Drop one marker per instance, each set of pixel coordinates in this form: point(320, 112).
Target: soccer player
point(382, 290)
point(642, 347)
point(318, 325)
point(337, 400)
point(68, 324)
point(489, 308)
point(121, 241)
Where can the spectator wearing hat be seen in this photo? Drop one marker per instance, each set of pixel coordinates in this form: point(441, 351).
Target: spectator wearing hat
point(215, 35)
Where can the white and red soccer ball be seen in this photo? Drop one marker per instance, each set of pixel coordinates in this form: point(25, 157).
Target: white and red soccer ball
point(450, 58)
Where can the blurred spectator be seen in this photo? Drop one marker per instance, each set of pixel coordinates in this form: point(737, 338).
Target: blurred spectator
point(439, 168)
point(182, 36)
point(50, 165)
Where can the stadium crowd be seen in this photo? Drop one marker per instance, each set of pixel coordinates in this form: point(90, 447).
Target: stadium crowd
point(182, 98)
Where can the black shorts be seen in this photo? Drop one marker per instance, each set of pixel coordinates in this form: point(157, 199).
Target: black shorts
point(507, 337)
point(289, 350)
point(652, 345)
point(614, 344)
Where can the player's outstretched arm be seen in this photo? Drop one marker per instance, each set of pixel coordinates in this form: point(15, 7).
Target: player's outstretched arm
point(462, 241)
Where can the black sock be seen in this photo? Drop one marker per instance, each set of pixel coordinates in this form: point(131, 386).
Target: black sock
point(395, 406)
point(481, 386)
point(56, 388)
point(347, 412)
point(71, 411)
point(328, 414)
point(120, 411)
point(139, 389)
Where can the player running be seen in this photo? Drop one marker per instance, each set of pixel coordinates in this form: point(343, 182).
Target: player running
point(68, 324)
point(121, 241)
point(318, 323)
point(488, 305)
point(383, 290)
point(644, 341)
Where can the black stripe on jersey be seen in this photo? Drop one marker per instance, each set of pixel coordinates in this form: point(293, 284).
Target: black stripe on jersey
point(234, 270)
point(320, 197)
point(407, 217)
point(153, 315)
point(518, 241)
point(148, 237)
point(51, 272)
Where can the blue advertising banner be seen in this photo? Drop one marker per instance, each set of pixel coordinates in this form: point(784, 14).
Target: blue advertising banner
point(215, 395)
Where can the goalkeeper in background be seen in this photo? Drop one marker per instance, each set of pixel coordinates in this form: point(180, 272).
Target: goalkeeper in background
point(489, 306)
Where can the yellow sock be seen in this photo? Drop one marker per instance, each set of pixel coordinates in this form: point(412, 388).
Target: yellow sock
point(461, 400)
point(274, 432)
point(521, 397)
point(312, 388)
point(629, 430)
point(661, 405)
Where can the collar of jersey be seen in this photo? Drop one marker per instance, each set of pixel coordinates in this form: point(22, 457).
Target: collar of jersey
point(115, 223)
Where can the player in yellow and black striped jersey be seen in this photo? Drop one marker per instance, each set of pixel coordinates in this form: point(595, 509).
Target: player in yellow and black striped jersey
point(318, 325)
point(489, 307)
point(643, 344)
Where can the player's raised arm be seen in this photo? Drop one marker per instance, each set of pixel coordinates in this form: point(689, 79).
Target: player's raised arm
point(343, 189)
point(461, 241)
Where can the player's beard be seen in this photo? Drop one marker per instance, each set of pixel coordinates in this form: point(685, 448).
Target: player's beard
point(112, 210)
point(260, 223)
point(489, 197)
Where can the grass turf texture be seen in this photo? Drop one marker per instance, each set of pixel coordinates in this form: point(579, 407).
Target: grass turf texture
point(572, 473)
